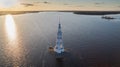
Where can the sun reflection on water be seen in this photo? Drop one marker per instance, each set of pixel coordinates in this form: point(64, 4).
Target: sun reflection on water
point(10, 27)
point(13, 48)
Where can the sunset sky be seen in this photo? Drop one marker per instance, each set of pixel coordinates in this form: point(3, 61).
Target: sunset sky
point(24, 5)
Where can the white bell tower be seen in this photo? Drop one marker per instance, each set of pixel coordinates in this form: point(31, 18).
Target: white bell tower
point(59, 42)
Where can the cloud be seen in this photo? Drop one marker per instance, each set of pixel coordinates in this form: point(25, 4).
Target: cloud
point(66, 4)
point(27, 4)
point(99, 3)
point(46, 2)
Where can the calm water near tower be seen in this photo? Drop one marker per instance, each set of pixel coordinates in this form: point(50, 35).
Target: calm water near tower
point(92, 41)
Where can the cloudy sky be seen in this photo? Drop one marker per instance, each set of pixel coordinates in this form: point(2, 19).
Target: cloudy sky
point(21, 5)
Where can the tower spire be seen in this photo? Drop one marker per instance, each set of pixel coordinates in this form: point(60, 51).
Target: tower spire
point(59, 19)
point(59, 42)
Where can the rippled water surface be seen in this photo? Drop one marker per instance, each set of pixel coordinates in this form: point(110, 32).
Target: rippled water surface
point(90, 40)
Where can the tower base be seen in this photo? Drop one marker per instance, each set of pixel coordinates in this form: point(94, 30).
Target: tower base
point(58, 56)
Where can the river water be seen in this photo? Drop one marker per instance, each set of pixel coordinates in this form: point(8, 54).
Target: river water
point(90, 40)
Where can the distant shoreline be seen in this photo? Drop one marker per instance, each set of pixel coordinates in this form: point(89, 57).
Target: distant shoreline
point(75, 12)
point(96, 12)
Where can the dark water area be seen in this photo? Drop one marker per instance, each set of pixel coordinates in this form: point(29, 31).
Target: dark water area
point(91, 41)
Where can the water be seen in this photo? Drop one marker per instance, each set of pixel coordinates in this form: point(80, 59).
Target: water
point(91, 41)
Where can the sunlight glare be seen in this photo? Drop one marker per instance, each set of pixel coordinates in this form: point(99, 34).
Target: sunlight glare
point(13, 48)
point(10, 27)
point(8, 3)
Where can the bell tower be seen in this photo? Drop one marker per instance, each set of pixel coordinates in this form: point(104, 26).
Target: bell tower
point(59, 42)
